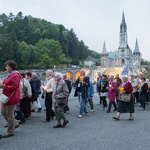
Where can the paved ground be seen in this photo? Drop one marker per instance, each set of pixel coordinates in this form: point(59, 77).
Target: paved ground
point(95, 131)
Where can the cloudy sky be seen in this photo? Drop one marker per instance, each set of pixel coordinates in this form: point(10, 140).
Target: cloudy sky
point(92, 20)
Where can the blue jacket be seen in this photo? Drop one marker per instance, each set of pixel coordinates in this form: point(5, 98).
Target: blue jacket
point(90, 90)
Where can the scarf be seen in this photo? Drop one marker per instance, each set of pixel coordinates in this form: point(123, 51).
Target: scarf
point(9, 74)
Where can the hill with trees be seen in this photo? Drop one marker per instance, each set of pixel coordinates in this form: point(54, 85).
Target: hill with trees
point(37, 43)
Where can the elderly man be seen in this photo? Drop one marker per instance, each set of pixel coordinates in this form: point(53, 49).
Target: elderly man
point(82, 84)
point(68, 82)
point(134, 86)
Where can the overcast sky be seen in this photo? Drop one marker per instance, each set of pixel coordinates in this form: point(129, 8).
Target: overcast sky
point(92, 20)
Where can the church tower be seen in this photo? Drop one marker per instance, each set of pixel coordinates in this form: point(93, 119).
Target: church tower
point(104, 56)
point(137, 54)
point(124, 52)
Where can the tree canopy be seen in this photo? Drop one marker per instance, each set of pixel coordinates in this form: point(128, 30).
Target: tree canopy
point(34, 42)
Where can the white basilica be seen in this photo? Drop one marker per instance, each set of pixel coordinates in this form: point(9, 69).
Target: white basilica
point(124, 54)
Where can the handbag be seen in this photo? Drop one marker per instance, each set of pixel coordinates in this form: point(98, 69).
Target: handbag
point(35, 105)
point(125, 97)
point(4, 99)
point(62, 101)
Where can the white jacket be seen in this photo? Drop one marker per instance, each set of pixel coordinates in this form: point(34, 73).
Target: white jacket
point(134, 85)
point(25, 88)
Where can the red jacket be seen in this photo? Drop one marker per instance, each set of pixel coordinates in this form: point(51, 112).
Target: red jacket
point(12, 84)
point(128, 89)
point(112, 92)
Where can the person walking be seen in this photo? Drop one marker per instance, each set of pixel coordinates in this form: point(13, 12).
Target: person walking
point(60, 95)
point(68, 82)
point(82, 84)
point(103, 83)
point(48, 89)
point(38, 88)
point(25, 94)
point(11, 88)
point(143, 92)
point(90, 95)
point(128, 105)
point(112, 88)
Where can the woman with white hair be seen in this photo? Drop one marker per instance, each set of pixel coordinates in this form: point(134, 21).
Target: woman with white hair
point(48, 90)
point(112, 88)
point(126, 102)
point(60, 95)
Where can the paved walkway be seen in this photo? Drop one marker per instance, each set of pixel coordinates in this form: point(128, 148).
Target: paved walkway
point(95, 131)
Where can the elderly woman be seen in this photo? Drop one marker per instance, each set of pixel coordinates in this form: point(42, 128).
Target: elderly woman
point(112, 88)
point(11, 88)
point(60, 95)
point(125, 104)
point(48, 90)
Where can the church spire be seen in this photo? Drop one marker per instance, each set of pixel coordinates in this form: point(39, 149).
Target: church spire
point(123, 26)
point(104, 49)
point(136, 49)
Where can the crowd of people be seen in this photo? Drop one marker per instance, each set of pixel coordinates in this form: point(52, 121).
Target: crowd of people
point(23, 90)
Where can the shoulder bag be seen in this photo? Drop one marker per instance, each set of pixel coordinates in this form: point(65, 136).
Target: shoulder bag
point(4, 99)
point(125, 97)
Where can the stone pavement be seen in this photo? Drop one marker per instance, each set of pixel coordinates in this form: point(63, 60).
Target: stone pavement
point(95, 131)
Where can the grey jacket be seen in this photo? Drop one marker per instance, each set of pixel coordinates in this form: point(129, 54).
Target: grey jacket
point(60, 91)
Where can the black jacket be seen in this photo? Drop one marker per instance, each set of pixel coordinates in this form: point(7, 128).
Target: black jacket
point(68, 82)
point(144, 89)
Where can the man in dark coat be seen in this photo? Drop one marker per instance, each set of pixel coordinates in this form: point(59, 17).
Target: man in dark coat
point(82, 83)
point(68, 82)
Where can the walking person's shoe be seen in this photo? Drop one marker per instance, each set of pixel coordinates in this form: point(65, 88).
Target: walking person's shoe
point(21, 122)
point(46, 121)
point(7, 135)
point(65, 123)
point(0, 136)
point(80, 116)
point(131, 118)
point(58, 126)
point(115, 110)
point(116, 118)
point(16, 126)
point(6, 126)
point(39, 110)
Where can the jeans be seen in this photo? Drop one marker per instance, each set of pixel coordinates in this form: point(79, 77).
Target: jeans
point(83, 108)
point(79, 97)
point(143, 99)
point(20, 115)
point(91, 103)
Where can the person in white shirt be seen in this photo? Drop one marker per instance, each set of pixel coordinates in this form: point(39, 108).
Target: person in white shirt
point(134, 86)
point(48, 90)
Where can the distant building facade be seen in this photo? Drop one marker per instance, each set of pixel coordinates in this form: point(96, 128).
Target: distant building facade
point(90, 61)
point(125, 54)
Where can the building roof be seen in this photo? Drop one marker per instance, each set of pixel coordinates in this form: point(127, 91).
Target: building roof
point(89, 58)
point(123, 26)
point(136, 49)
